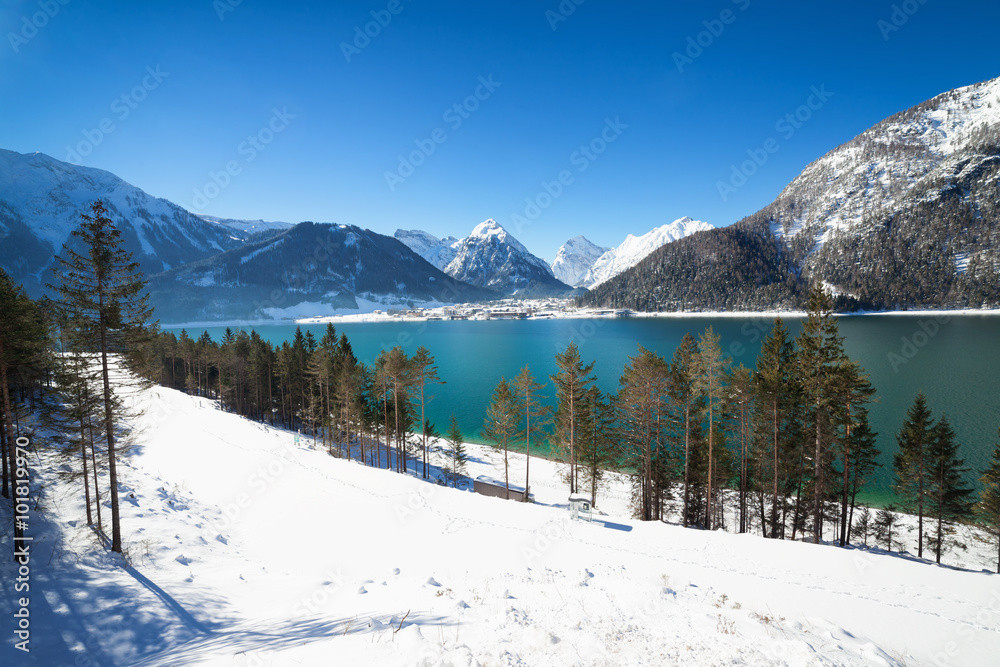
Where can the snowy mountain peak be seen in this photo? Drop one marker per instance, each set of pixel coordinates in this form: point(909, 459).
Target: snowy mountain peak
point(575, 258)
point(491, 257)
point(636, 248)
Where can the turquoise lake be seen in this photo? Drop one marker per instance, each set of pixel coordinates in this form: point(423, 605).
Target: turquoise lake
point(954, 360)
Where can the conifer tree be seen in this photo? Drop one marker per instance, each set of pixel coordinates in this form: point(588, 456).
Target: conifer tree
point(102, 294)
point(948, 499)
point(740, 405)
point(456, 450)
point(776, 387)
point(711, 367)
point(423, 372)
point(685, 398)
point(820, 358)
point(500, 424)
point(988, 509)
point(571, 382)
point(595, 441)
point(642, 406)
point(886, 522)
point(911, 462)
point(536, 415)
point(863, 525)
point(865, 459)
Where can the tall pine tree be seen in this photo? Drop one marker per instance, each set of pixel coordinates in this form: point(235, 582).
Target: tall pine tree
point(102, 294)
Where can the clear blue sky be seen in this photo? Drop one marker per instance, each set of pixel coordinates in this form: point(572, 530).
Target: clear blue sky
point(225, 67)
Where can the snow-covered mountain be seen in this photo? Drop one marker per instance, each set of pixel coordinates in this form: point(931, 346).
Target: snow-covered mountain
point(636, 248)
point(491, 257)
point(309, 270)
point(903, 216)
point(41, 200)
point(574, 259)
point(439, 252)
point(248, 226)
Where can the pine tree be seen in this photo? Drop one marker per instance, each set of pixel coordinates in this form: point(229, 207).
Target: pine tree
point(863, 525)
point(536, 415)
point(595, 441)
point(456, 451)
point(643, 414)
point(422, 373)
point(571, 382)
point(102, 293)
point(886, 522)
point(711, 368)
point(776, 389)
point(22, 338)
point(686, 400)
point(910, 462)
point(820, 358)
point(948, 499)
point(865, 456)
point(500, 424)
point(988, 509)
point(856, 392)
point(740, 405)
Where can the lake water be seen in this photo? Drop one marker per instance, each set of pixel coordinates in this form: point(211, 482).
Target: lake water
point(954, 360)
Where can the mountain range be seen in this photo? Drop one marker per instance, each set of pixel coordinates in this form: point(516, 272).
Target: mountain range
point(41, 200)
point(903, 216)
point(489, 257)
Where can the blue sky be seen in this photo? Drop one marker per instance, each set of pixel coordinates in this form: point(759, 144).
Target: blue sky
point(570, 118)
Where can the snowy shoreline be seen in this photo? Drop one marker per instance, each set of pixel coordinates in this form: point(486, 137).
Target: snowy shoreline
point(580, 315)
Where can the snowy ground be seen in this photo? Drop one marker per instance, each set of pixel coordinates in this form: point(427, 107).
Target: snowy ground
point(248, 549)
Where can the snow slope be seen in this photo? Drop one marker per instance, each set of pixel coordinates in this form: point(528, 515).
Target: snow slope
point(251, 549)
point(574, 259)
point(636, 248)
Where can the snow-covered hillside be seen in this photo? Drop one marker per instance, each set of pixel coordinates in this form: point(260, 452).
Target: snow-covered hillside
point(636, 248)
point(439, 252)
point(248, 548)
point(888, 166)
point(574, 259)
point(41, 200)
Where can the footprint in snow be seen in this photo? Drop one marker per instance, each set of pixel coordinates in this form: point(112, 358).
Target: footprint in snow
point(362, 590)
point(432, 582)
point(183, 560)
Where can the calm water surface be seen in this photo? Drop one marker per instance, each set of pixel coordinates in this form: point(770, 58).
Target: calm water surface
point(955, 361)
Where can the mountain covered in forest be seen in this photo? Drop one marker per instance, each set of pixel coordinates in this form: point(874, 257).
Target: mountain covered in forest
point(489, 257)
point(310, 269)
point(41, 200)
point(903, 216)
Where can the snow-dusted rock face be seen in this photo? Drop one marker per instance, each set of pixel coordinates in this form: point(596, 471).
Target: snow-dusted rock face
point(248, 226)
point(574, 259)
point(904, 161)
point(439, 252)
point(491, 257)
point(41, 200)
point(636, 248)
